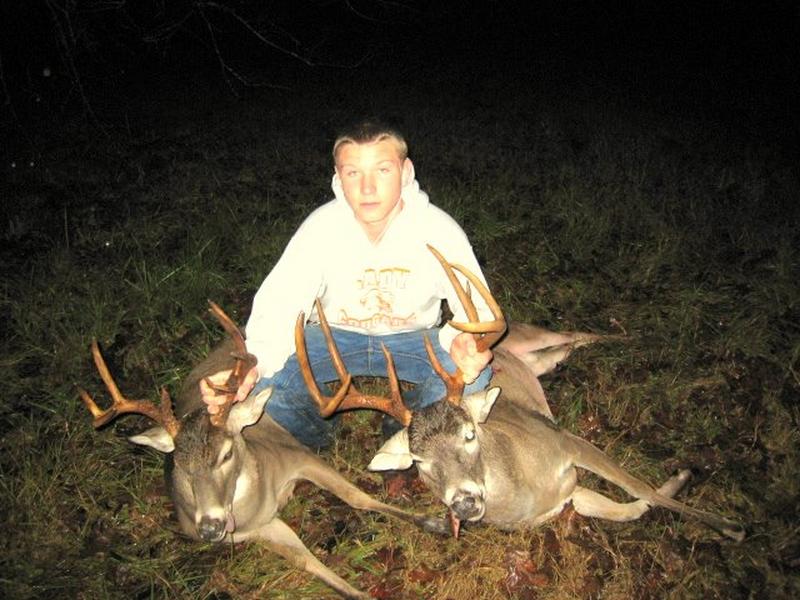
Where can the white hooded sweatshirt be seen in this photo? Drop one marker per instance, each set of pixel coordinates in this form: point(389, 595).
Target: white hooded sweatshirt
point(391, 286)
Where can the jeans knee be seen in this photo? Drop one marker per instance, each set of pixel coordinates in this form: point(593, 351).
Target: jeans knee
point(299, 415)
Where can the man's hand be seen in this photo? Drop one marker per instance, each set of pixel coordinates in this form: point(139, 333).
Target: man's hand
point(214, 401)
point(465, 354)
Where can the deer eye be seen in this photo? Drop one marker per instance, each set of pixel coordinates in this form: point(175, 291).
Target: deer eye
point(227, 456)
point(469, 435)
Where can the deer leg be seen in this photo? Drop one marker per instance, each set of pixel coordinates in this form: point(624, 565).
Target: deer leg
point(592, 504)
point(524, 337)
point(545, 360)
point(283, 541)
point(595, 460)
point(324, 476)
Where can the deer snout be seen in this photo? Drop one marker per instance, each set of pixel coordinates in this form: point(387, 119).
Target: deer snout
point(468, 507)
point(467, 503)
point(210, 529)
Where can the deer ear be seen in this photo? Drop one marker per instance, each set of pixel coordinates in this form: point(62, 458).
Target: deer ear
point(394, 455)
point(155, 437)
point(480, 405)
point(248, 411)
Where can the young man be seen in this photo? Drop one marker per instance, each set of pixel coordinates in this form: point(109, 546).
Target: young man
point(364, 255)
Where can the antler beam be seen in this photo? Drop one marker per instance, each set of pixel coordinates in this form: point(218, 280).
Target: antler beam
point(244, 362)
point(162, 415)
point(491, 330)
point(347, 397)
point(486, 334)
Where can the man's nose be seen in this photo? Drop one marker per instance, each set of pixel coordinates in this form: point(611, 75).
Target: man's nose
point(368, 185)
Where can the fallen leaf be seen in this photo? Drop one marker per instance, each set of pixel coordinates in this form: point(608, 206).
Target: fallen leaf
point(391, 558)
point(397, 486)
point(592, 587)
point(388, 588)
point(523, 576)
point(368, 485)
point(423, 574)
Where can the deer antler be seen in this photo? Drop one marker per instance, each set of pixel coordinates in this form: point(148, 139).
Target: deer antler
point(491, 330)
point(162, 415)
point(486, 334)
point(453, 383)
point(347, 397)
point(244, 362)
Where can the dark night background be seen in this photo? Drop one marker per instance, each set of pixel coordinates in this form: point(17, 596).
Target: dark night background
point(612, 162)
point(730, 61)
point(116, 67)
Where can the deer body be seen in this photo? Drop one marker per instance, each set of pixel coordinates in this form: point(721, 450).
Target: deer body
point(229, 480)
point(497, 456)
point(506, 465)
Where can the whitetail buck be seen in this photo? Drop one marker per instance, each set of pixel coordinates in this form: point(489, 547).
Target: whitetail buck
point(229, 474)
point(496, 455)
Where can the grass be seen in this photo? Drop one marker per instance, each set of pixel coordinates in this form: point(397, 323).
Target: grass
point(585, 214)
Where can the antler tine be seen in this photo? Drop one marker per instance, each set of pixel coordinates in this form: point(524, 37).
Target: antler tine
point(492, 330)
point(453, 383)
point(121, 405)
point(394, 404)
point(327, 404)
point(463, 296)
point(228, 325)
point(244, 362)
point(347, 397)
point(336, 358)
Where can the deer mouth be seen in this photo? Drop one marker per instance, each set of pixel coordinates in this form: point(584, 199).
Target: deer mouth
point(468, 507)
point(212, 529)
point(464, 507)
point(466, 500)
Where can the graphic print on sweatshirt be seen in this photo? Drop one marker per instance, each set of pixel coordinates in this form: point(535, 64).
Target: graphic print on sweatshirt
point(377, 293)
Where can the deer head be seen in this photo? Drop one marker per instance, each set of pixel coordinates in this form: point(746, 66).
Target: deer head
point(208, 452)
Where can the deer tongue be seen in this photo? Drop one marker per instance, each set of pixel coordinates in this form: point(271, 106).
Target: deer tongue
point(230, 523)
point(455, 523)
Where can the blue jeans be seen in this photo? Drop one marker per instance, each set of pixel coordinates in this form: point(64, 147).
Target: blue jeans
point(292, 407)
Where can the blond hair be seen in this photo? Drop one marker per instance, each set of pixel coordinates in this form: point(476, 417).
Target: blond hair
point(368, 132)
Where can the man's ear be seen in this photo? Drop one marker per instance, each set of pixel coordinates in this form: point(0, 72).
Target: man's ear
point(408, 171)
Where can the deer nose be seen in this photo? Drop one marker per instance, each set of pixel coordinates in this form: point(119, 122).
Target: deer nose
point(211, 530)
point(467, 506)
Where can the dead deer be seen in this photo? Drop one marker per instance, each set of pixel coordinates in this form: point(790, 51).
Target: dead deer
point(496, 455)
point(229, 474)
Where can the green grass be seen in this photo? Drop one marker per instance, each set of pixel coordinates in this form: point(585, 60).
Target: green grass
point(583, 217)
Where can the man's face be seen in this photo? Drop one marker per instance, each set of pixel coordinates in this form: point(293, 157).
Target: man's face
point(372, 178)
